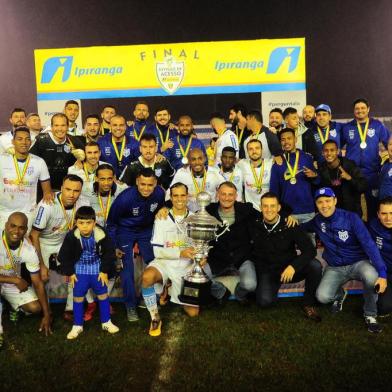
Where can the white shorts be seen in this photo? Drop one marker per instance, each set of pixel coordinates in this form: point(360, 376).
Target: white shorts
point(174, 270)
point(15, 298)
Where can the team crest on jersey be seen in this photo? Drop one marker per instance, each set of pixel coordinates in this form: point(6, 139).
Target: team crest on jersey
point(317, 137)
point(135, 211)
point(178, 153)
point(332, 132)
point(390, 172)
point(351, 134)
point(67, 148)
point(371, 132)
point(343, 235)
point(127, 152)
point(379, 242)
point(107, 150)
point(30, 170)
point(153, 207)
point(158, 172)
point(323, 227)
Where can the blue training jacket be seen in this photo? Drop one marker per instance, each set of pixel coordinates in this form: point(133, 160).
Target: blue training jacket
point(335, 133)
point(298, 196)
point(174, 155)
point(131, 152)
point(346, 240)
point(367, 159)
point(383, 239)
point(131, 212)
point(164, 130)
point(138, 125)
point(385, 181)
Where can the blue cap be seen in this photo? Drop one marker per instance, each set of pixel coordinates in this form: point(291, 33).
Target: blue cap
point(326, 192)
point(323, 108)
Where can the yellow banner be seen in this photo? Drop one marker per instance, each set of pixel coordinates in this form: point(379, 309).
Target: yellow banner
point(167, 69)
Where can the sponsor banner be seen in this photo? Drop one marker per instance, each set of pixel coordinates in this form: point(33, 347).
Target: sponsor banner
point(282, 100)
point(170, 69)
point(46, 109)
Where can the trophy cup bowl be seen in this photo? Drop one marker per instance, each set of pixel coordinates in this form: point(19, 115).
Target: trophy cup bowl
point(201, 228)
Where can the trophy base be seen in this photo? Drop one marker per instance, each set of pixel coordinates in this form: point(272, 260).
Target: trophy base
point(193, 293)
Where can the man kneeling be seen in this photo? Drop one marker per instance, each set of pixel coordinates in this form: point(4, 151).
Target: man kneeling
point(173, 257)
point(15, 250)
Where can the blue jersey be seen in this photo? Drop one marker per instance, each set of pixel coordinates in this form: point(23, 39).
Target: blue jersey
point(385, 180)
point(131, 212)
point(138, 128)
point(298, 196)
point(368, 159)
point(335, 133)
point(383, 239)
point(174, 154)
point(108, 154)
point(164, 133)
point(346, 240)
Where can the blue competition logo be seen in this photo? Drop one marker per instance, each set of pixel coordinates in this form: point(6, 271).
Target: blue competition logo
point(53, 65)
point(279, 55)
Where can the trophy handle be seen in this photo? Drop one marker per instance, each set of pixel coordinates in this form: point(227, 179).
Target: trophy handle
point(226, 228)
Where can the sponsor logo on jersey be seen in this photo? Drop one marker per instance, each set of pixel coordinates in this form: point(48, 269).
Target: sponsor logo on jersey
point(39, 216)
point(343, 235)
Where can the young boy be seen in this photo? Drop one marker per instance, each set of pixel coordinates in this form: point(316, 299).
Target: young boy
point(87, 257)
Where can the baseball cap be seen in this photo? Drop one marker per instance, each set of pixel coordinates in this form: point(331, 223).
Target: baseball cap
point(323, 107)
point(326, 192)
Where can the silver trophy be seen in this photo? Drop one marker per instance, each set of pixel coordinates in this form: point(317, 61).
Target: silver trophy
point(201, 228)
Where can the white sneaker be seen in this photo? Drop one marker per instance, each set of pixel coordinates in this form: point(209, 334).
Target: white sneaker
point(75, 332)
point(110, 327)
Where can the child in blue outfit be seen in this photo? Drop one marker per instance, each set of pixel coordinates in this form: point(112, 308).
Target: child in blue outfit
point(87, 257)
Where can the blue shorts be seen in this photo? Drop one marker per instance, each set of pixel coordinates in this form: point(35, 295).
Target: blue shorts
point(86, 282)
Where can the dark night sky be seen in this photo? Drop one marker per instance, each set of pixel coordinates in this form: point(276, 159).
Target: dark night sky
point(347, 42)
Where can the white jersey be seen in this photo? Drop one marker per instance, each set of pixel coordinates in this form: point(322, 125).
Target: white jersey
point(266, 153)
point(26, 254)
point(23, 197)
point(88, 181)
point(227, 139)
point(6, 142)
point(51, 222)
point(212, 180)
point(94, 202)
point(252, 193)
point(237, 178)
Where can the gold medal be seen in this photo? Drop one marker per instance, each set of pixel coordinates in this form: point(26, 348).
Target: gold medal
point(292, 170)
point(20, 175)
point(203, 184)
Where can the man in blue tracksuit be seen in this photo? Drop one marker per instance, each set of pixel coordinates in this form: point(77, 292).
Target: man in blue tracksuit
point(292, 180)
point(380, 229)
point(324, 129)
point(385, 177)
point(140, 124)
point(348, 247)
point(130, 220)
point(116, 148)
point(184, 142)
point(362, 136)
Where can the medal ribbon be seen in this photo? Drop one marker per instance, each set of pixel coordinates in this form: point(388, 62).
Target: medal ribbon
point(137, 137)
point(363, 132)
point(26, 165)
point(69, 223)
point(258, 180)
point(203, 185)
point(231, 176)
point(239, 137)
point(184, 153)
point(105, 209)
point(86, 172)
point(9, 254)
point(320, 132)
point(68, 140)
point(161, 135)
point(292, 170)
point(119, 155)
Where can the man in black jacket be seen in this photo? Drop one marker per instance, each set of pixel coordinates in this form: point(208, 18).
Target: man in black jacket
point(230, 255)
point(277, 261)
point(343, 176)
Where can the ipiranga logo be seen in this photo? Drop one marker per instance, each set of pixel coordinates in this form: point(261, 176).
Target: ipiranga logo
point(63, 66)
point(279, 55)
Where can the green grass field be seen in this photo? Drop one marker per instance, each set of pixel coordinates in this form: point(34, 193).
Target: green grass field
point(225, 349)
